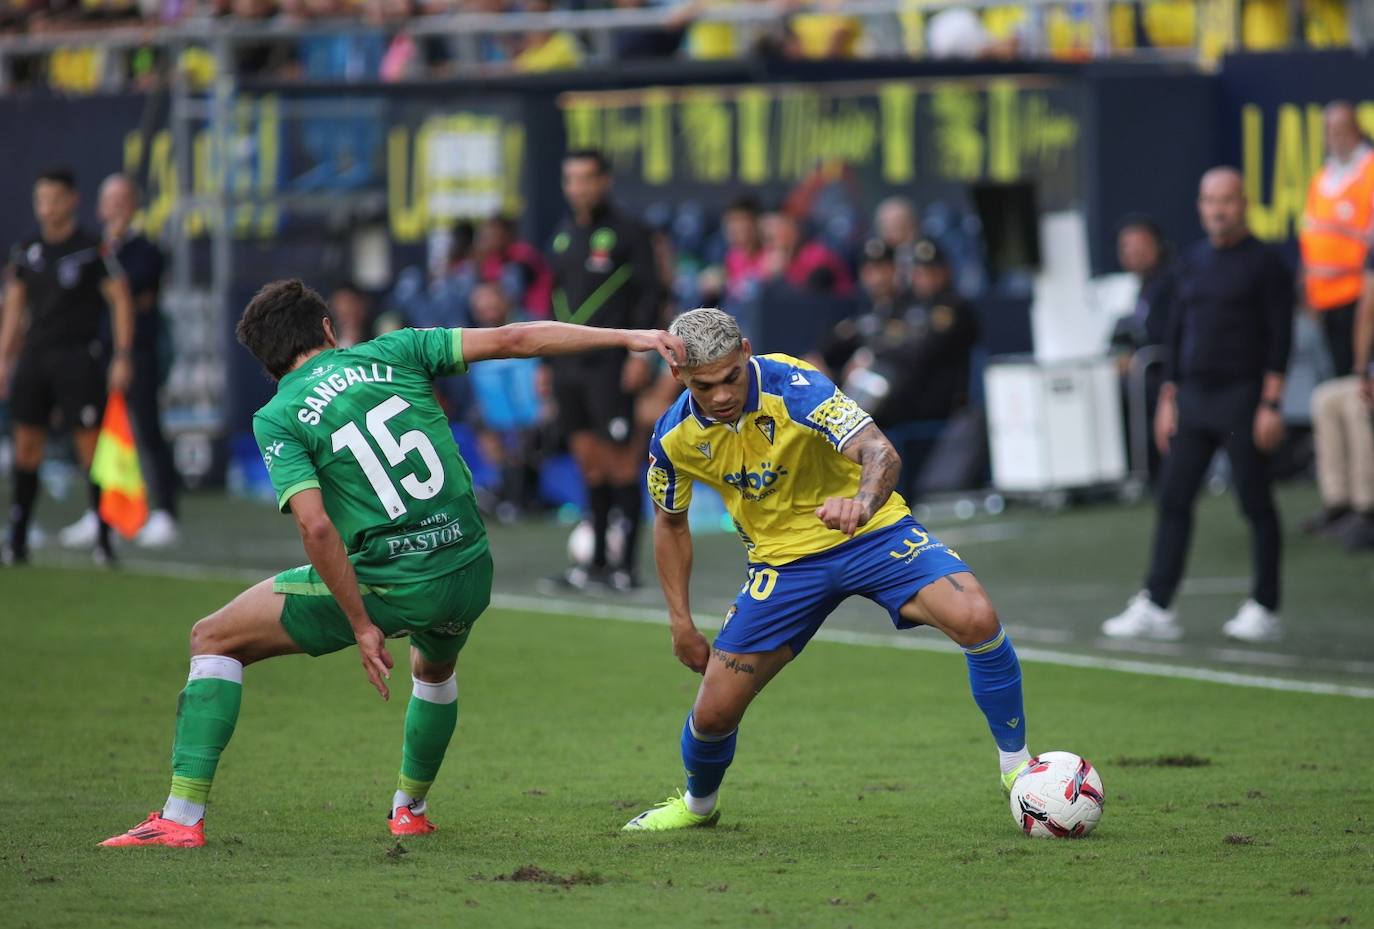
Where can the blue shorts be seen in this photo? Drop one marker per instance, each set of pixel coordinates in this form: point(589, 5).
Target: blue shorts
point(786, 605)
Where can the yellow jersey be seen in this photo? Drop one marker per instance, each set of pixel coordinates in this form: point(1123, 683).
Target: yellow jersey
point(774, 466)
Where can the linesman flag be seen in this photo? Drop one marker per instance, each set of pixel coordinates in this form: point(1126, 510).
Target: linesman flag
point(114, 469)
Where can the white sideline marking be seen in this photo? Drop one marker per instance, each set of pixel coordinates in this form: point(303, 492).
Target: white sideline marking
point(589, 608)
point(555, 607)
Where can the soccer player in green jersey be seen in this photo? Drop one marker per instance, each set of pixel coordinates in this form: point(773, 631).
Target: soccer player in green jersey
point(361, 455)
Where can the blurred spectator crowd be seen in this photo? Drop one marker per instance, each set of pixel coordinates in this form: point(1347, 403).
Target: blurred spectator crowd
point(381, 48)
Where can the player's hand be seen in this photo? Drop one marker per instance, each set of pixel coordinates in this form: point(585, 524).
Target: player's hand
point(121, 374)
point(635, 375)
point(692, 649)
point(1366, 390)
point(668, 346)
point(846, 514)
point(376, 659)
point(1166, 423)
point(1268, 431)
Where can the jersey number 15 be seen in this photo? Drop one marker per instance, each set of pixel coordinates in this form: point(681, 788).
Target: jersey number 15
point(395, 448)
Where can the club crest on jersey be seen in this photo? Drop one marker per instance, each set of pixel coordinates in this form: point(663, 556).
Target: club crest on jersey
point(767, 426)
point(68, 271)
point(705, 449)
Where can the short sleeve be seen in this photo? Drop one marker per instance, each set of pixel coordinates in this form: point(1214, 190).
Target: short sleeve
point(108, 265)
point(16, 269)
point(437, 352)
point(670, 490)
point(287, 459)
point(815, 402)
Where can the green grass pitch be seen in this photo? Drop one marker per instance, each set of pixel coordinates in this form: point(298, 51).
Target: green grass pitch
point(864, 792)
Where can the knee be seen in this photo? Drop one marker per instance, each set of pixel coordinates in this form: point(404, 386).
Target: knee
point(207, 637)
point(975, 621)
point(713, 720)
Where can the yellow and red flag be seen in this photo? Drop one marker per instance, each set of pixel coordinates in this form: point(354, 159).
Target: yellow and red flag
point(114, 469)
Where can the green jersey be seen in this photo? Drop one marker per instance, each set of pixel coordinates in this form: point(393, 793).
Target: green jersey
point(362, 425)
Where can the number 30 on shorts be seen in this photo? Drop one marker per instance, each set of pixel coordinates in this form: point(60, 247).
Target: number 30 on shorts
point(761, 583)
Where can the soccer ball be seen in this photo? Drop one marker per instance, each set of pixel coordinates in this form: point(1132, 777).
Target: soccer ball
point(1059, 796)
point(582, 544)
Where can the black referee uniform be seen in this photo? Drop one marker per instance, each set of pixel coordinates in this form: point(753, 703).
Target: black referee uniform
point(604, 275)
point(60, 374)
point(1231, 325)
point(61, 368)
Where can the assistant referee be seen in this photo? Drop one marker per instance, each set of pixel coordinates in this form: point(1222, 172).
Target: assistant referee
point(1230, 332)
point(60, 282)
point(604, 275)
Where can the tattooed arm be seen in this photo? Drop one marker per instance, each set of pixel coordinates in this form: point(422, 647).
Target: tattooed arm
point(881, 467)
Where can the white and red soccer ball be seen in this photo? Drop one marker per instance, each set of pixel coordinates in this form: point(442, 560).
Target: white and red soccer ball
point(1059, 796)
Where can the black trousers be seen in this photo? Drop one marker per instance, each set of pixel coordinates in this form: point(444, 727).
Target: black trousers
point(1338, 326)
point(1212, 417)
point(147, 421)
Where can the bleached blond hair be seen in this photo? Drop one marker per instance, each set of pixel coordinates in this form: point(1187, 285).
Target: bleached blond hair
point(709, 335)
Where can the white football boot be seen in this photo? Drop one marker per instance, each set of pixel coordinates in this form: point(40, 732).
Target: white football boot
point(1253, 623)
point(159, 531)
point(82, 533)
point(1142, 619)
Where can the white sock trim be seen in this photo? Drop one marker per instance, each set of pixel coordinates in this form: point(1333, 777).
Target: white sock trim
point(1009, 760)
point(443, 692)
point(215, 666)
point(181, 810)
point(700, 806)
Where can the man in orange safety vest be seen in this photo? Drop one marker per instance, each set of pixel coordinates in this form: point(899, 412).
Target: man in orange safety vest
point(1336, 232)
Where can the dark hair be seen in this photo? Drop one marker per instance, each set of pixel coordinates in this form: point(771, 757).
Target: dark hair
point(58, 175)
point(281, 323)
point(744, 203)
point(1141, 221)
point(603, 166)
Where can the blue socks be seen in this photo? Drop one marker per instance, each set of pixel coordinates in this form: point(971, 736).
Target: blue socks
point(994, 674)
point(706, 758)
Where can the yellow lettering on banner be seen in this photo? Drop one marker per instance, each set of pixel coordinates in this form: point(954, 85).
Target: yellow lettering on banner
point(1257, 214)
point(406, 197)
point(706, 132)
point(582, 122)
point(755, 110)
point(513, 148)
point(814, 134)
point(898, 105)
point(235, 172)
point(1289, 186)
point(1004, 153)
point(1288, 182)
point(1045, 134)
point(269, 155)
point(958, 141)
point(657, 133)
point(624, 138)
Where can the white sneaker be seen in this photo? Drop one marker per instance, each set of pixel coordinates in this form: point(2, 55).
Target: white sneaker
point(159, 531)
point(82, 533)
point(1142, 619)
point(1253, 623)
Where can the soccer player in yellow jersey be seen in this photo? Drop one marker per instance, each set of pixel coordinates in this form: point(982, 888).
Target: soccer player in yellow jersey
point(809, 481)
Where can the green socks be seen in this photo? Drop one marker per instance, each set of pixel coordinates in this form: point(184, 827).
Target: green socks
point(207, 710)
point(431, 717)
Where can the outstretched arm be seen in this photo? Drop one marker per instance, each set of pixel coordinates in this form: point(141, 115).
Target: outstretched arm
point(673, 557)
point(881, 467)
point(542, 339)
point(326, 551)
